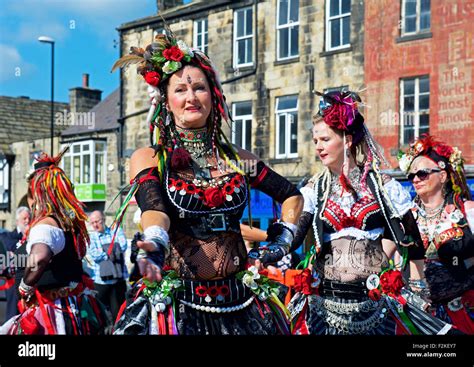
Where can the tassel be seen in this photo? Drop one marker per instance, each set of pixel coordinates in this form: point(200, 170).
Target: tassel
point(180, 159)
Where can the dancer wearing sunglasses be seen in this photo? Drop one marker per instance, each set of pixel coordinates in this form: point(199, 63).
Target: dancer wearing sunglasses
point(445, 216)
point(349, 286)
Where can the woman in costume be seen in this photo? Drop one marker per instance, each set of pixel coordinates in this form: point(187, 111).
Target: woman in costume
point(192, 187)
point(444, 213)
point(55, 297)
point(349, 285)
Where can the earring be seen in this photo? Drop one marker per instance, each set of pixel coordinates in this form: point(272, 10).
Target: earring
point(168, 117)
point(444, 191)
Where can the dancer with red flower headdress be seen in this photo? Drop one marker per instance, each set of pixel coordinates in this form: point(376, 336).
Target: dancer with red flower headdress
point(349, 286)
point(444, 212)
point(55, 296)
point(192, 187)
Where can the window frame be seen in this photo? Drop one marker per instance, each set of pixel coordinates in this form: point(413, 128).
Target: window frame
point(204, 47)
point(289, 25)
point(92, 153)
point(242, 118)
point(416, 112)
point(287, 113)
point(327, 25)
point(5, 172)
point(403, 33)
point(236, 39)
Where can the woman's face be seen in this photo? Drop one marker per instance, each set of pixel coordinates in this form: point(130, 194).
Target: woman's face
point(433, 183)
point(329, 146)
point(189, 97)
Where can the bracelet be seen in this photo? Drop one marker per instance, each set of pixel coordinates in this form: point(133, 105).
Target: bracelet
point(158, 236)
point(417, 283)
point(26, 291)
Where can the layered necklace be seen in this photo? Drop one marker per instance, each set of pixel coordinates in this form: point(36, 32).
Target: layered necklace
point(429, 221)
point(198, 143)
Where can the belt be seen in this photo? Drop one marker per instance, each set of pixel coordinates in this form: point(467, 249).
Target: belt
point(207, 224)
point(223, 292)
point(353, 290)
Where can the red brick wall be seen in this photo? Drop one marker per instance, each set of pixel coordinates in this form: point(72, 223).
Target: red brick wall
point(447, 57)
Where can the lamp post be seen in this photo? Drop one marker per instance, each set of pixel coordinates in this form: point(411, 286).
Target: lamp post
point(49, 40)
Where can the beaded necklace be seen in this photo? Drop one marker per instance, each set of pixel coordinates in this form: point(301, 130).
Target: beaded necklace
point(197, 143)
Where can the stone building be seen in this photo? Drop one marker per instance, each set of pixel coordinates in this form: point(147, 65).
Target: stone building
point(271, 56)
point(25, 131)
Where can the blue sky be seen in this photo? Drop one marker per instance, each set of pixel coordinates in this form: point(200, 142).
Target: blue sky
point(84, 31)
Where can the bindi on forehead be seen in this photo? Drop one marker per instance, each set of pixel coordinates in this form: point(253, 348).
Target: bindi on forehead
point(188, 80)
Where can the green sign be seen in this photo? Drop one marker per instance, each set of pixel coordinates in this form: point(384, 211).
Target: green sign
point(90, 192)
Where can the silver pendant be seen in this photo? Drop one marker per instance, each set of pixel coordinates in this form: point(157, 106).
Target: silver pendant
point(208, 299)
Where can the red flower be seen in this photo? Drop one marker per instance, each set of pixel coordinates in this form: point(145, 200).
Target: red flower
point(228, 189)
point(201, 291)
point(443, 150)
point(374, 294)
point(213, 291)
point(391, 282)
point(152, 78)
point(236, 181)
point(191, 189)
point(213, 197)
point(173, 53)
point(303, 282)
point(224, 290)
point(179, 184)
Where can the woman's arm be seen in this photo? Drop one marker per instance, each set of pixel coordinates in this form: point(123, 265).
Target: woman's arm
point(155, 223)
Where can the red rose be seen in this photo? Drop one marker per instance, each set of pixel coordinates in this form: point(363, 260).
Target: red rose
point(392, 282)
point(173, 53)
point(374, 294)
point(444, 150)
point(152, 78)
point(213, 197)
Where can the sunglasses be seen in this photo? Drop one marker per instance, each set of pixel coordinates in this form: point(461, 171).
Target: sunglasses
point(422, 174)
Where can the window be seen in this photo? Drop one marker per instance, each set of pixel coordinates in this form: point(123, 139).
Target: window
point(243, 37)
point(4, 183)
point(242, 125)
point(287, 127)
point(414, 108)
point(84, 162)
point(338, 24)
point(200, 35)
point(416, 16)
point(287, 29)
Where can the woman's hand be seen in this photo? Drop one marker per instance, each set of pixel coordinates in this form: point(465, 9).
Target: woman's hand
point(150, 270)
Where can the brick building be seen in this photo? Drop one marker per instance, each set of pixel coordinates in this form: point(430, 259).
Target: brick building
point(419, 58)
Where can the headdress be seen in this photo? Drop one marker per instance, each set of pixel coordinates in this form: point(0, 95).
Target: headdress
point(53, 196)
point(446, 157)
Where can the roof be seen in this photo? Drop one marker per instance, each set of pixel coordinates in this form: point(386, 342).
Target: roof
point(103, 117)
point(24, 119)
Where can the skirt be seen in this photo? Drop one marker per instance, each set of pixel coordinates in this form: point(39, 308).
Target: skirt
point(316, 315)
point(219, 307)
point(60, 312)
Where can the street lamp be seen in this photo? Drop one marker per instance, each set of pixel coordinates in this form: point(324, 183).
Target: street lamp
point(49, 40)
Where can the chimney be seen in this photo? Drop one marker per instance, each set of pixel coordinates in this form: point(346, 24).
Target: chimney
point(85, 80)
point(164, 5)
point(82, 99)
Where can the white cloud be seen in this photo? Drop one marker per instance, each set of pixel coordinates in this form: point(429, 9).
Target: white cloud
point(12, 65)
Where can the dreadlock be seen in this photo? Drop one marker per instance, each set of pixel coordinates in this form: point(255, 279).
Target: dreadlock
point(53, 196)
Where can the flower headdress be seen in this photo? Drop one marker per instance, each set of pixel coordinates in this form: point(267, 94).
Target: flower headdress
point(446, 157)
point(54, 196)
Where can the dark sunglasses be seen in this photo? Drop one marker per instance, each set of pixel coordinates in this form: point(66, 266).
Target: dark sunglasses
point(422, 174)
